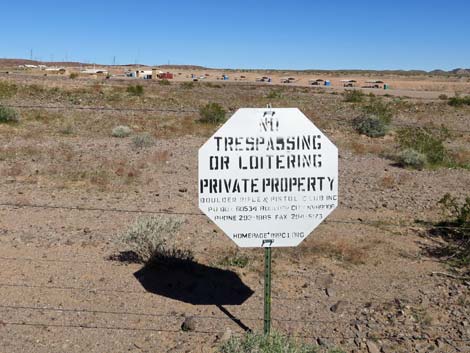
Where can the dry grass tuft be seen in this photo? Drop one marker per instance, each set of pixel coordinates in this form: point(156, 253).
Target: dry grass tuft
point(345, 251)
point(387, 182)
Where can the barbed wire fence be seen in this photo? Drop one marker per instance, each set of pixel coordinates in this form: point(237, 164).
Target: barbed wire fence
point(401, 337)
point(398, 337)
point(194, 111)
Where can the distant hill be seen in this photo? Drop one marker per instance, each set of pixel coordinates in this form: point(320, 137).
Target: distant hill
point(183, 67)
point(458, 72)
point(461, 72)
point(17, 62)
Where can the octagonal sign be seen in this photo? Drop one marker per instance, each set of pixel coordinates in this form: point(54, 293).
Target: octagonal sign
point(268, 177)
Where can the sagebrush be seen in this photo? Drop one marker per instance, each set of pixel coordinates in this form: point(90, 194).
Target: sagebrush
point(412, 159)
point(212, 113)
point(137, 90)
point(153, 239)
point(371, 126)
point(121, 131)
point(143, 140)
point(8, 115)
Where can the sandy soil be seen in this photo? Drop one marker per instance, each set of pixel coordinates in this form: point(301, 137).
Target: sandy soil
point(360, 279)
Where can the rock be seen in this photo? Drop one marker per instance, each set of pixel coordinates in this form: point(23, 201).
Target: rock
point(323, 342)
point(339, 307)
point(388, 348)
point(330, 292)
point(189, 324)
point(440, 343)
point(372, 347)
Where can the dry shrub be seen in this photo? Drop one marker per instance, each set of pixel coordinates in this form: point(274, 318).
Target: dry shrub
point(46, 116)
point(259, 343)
point(143, 140)
point(67, 128)
point(426, 141)
point(14, 170)
point(121, 131)
point(160, 157)
point(7, 89)
point(403, 178)
point(133, 173)
point(153, 240)
point(368, 147)
point(234, 259)
point(455, 229)
point(353, 96)
point(97, 88)
point(387, 182)
point(358, 148)
point(409, 158)
point(212, 113)
point(461, 157)
point(8, 115)
point(341, 250)
point(98, 177)
point(346, 252)
point(459, 101)
point(371, 126)
point(11, 153)
point(137, 90)
point(123, 169)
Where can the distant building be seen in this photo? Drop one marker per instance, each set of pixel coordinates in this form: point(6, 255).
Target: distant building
point(165, 75)
point(374, 84)
point(317, 82)
point(349, 83)
point(94, 72)
point(288, 79)
point(152, 74)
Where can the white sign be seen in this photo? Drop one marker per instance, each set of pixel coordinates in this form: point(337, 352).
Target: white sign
point(268, 177)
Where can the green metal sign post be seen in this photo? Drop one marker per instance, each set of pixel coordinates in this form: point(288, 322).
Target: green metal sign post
point(267, 291)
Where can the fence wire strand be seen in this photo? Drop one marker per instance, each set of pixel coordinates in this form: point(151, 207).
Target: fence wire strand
point(187, 110)
point(420, 224)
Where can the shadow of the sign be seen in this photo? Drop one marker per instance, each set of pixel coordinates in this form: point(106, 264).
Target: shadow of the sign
point(194, 283)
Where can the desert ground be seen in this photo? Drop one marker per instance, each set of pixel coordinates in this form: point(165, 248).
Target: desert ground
point(371, 278)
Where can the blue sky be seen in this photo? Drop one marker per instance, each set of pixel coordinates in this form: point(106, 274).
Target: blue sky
point(305, 34)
